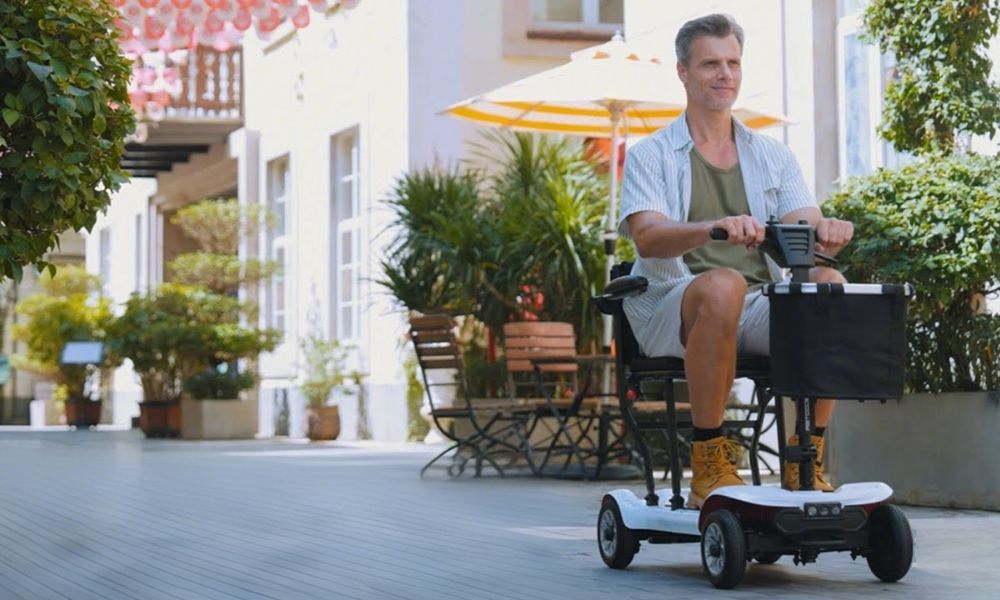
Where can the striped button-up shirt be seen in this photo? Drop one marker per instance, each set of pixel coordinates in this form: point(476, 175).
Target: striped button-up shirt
point(658, 178)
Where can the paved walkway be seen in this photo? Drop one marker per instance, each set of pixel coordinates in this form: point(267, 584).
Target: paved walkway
point(108, 515)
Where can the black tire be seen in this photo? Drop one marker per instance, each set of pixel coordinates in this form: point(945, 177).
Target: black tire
point(891, 543)
point(767, 558)
point(616, 542)
point(723, 549)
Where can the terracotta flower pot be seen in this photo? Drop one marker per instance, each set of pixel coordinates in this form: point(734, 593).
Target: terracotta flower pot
point(324, 423)
point(160, 419)
point(82, 413)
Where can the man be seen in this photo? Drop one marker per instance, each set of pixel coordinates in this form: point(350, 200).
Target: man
point(704, 303)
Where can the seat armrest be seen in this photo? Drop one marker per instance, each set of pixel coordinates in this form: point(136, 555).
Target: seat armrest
point(624, 287)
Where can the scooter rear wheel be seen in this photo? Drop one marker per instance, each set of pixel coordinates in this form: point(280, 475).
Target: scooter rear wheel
point(723, 549)
point(616, 542)
point(892, 543)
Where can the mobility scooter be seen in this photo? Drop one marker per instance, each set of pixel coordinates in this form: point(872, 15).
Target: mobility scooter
point(840, 341)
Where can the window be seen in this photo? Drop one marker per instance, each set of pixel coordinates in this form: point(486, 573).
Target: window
point(104, 251)
point(590, 13)
point(278, 190)
point(346, 228)
point(863, 74)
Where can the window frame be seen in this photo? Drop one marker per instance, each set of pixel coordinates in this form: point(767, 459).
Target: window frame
point(346, 169)
point(590, 12)
point(278, 244)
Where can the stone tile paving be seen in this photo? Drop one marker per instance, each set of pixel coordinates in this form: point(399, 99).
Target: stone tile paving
point(107, 515)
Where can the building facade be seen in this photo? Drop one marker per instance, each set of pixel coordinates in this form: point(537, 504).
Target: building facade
point(318, 123)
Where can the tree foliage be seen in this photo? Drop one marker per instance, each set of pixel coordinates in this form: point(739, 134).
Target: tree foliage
point(942, 84)
point(67, 310)
point(935, 224)
point(64, 114)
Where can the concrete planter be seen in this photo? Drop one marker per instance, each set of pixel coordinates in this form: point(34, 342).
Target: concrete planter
point(932, 449)
point(219, 419)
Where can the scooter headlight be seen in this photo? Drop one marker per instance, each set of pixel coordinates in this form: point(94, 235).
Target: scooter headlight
point(822, 510)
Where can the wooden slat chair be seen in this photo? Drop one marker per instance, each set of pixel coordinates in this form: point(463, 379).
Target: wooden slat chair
point(498, 434)
point(542, 361)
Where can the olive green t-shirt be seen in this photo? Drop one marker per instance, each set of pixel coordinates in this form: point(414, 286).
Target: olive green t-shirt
point(717, 193)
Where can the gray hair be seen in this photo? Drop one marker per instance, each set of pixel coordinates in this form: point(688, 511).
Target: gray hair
point(717, 25)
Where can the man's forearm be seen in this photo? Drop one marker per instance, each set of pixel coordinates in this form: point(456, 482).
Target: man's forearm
point(670, 239)
point(810, 214)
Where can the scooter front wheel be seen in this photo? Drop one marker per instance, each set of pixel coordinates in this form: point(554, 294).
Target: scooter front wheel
point(723, 549)
point(891, 542)
point(616, 542)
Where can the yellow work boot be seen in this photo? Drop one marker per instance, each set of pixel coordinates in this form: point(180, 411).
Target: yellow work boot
point(712, 467)
point(819, 477)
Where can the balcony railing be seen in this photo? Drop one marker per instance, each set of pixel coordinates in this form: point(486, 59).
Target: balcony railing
point(211, 86)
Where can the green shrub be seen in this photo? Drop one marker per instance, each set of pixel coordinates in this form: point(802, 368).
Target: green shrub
point(218, 385)
point(935, 224)
point(175, 332)
point(67, 310)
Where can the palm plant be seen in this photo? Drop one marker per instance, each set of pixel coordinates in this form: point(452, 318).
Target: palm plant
point(550, 206)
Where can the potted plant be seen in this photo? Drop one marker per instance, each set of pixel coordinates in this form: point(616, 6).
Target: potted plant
point(67, 310)
point(324, 371)
point(218, 226)
point(174, 333)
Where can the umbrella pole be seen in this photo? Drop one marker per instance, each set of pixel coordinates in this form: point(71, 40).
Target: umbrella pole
point(610, 233)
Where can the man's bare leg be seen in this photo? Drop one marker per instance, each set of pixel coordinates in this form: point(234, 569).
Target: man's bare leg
point(710, 314)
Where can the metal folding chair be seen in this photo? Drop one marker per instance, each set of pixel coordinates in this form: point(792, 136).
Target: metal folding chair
point(497, 431)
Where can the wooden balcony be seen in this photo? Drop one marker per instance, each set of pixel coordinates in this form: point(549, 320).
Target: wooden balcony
point(209, 107)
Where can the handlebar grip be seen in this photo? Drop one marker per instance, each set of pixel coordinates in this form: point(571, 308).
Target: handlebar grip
point(719, 234)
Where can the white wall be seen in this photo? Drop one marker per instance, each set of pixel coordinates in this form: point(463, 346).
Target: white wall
point(343, 71)
point(129, 202)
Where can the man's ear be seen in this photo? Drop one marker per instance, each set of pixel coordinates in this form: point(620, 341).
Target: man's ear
point(682, 72)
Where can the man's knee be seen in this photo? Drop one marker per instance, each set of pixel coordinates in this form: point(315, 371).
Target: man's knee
point(826, 275)
point(717, 295)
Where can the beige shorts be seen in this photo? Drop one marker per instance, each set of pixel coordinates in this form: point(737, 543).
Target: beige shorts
point(662, 334)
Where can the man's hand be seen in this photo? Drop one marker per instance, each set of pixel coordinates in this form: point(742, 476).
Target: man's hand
point(743, 230)
point(832, 235)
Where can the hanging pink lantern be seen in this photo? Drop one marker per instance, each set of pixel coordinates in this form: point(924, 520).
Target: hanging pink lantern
point(183, 24)
point(161, 97)
point(118, 3)
point(146, 76)
point(289, 10)
point(134, 14)
point(261, 10)
point(149, 3)
point(349, 4)
point(166, 12)
point(197, 13)
point(301, 18)
point(181, 4)
point(250, 3)
point(271, 21)
point(169, 75)
point(153, 29)
point(125, 29)
point(133, 47)
point(213, 24)
point(283, 2)
point(243, 20)
point(320, 5)
point(227, 10)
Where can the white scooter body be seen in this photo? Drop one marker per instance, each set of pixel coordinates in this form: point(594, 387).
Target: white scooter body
point(637, 515)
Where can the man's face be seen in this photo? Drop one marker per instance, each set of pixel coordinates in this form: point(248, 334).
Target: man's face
point(714, 72)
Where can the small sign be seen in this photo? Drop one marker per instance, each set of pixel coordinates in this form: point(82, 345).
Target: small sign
point(82, 353)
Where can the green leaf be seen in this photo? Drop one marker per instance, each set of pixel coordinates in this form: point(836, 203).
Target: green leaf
point(40, 71)
point(75, 157)
point(66, 103)
point(76, 91)
point(11, 116)
point(100, 124)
